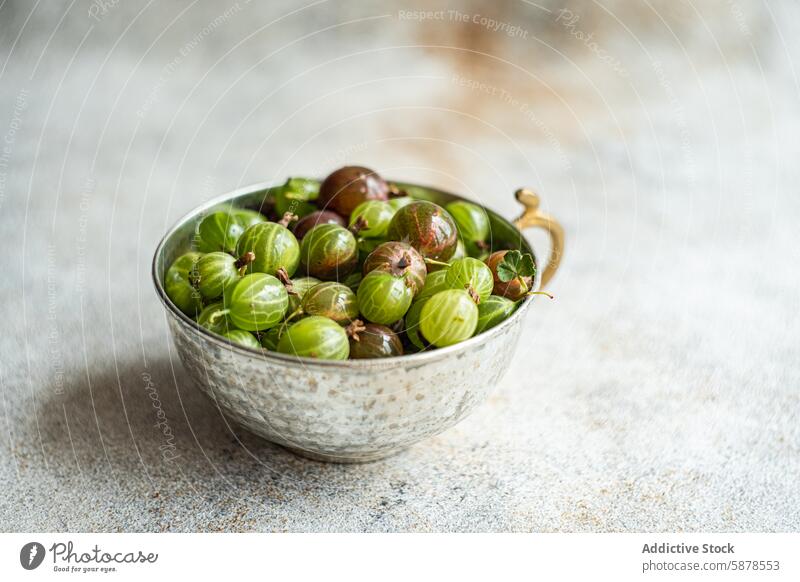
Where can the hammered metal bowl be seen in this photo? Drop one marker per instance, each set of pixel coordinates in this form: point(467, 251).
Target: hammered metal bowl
point(356, 410)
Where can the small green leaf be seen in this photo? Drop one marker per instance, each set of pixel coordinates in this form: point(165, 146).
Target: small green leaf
point(514, 265)
point(526, 266)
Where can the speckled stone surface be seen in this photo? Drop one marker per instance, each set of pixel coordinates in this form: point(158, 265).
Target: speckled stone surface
point(659, 392)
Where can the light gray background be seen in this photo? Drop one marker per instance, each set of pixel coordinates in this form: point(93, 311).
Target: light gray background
point(658, 392)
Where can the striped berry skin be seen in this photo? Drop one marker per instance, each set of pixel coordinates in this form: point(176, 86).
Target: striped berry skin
point(384, 298)
point(412, 324)
point(243, 338)
point(375, 216)
point(219, 231)
point(258, 301)
point(213, 319)
point(471, 219)
point(329, 252)
point(274, 246)
point(398, 258)
point(315, 337)
point(332, 300)
point(434, 282)
point(300, 286)
point(315, 218)
point(375, 341)
point(178, 287)
point(449, 317)
point(248, 217)
point(469, 273)
point(492, 311)
point(510, 289)
point(427, 227)
point(214, 273)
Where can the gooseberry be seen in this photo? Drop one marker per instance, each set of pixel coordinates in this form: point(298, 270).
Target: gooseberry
point(471, 219)
point(258, 301)
point(472, 275)
point(178, 287)
point(348, 187)
point(434, 282)
point(248, 217)
point(215, 272)
point(412, 324)
point(241, 337)
point(219, 231)
point(296, 197)
point(329, 252)
point(374, 341)
point(427, 227)
point(332, 300)
point(492, 311)
point(384, 298)
point(371, 219)
point(400, 201)
point(213, 319)
point(297, 288)
point(401, 260)
point(315, 337)
point(274, 248)
point(449, 317)
point(309, 221)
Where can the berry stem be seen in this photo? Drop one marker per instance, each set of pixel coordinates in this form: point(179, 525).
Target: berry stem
point(545, 293)
point(522, 285)
point(355, 328)
point(435, 262)
point(287, 218)
point(242, 262)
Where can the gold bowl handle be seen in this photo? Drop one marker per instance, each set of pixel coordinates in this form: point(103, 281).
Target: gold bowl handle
point(532, 217)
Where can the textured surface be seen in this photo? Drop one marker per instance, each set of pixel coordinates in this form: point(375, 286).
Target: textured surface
point(660, 391)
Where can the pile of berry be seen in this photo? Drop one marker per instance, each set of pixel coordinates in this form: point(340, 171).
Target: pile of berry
point(354, 268)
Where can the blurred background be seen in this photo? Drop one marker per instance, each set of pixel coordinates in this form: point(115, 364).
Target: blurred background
point(658, 392)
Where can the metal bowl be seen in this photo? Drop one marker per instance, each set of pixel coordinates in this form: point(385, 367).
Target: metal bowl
point(356, 410)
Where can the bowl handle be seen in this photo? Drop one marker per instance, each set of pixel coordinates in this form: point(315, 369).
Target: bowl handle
point(532, 217)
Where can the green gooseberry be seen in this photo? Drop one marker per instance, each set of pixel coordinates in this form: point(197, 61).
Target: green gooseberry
point(258, 301)
point(315, 337)
point(384, 298)
point(219, 231)
point(471, 219)
point(472, 275)
point(371, 218)
point(434, 282)
point(299, 287)
point(492, 311)
point(214, 319)
point(332, 300)
point(329, 252)
point(400, 201)
point(477, 250)
point(296, 196)
point(248, 217)
point(274, 247)
point(412, 324)
point(215, 272)
point(178, 287)
point(243, 338)
point(449, 317)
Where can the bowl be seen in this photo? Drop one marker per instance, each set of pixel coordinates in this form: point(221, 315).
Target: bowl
point(355, 410)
